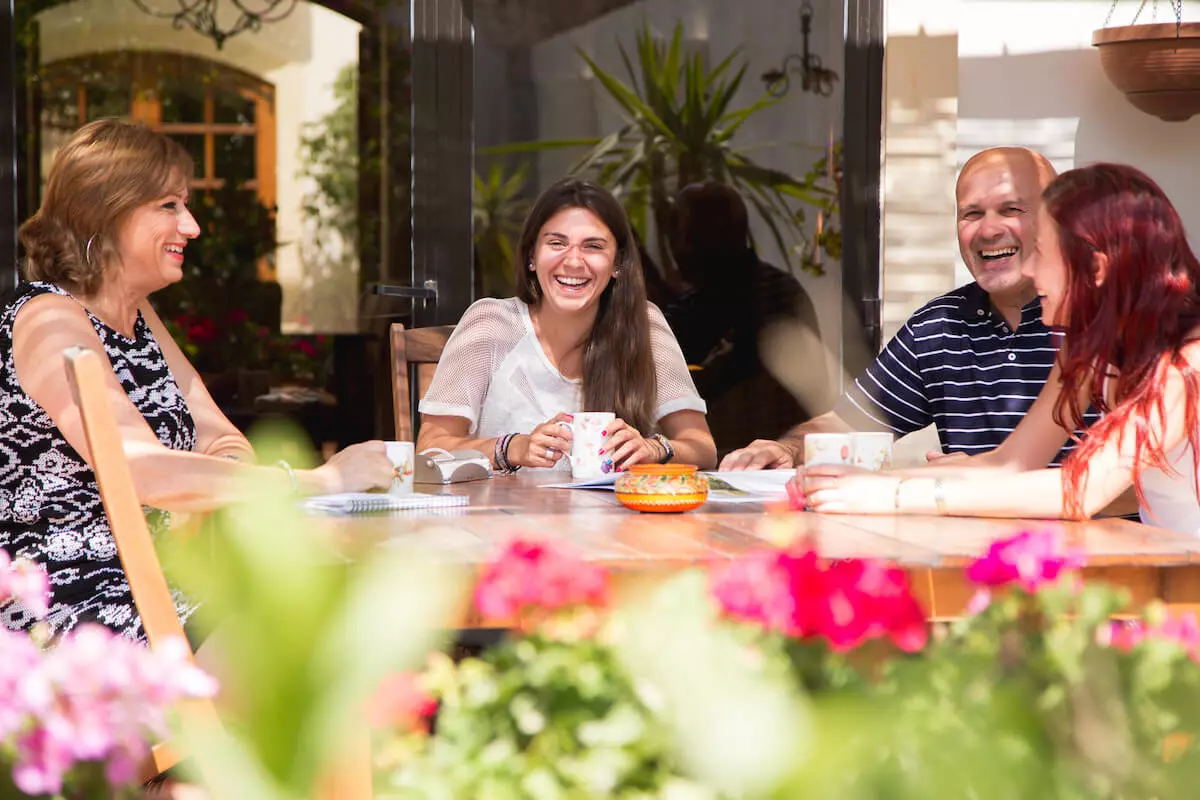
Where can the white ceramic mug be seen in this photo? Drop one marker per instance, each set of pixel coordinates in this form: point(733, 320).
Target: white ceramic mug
point(589, 432)
point(401, 456)
point(828, 448)
point(872, 451)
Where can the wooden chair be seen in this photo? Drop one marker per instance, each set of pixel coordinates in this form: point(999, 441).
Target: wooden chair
point(421, 347)
point(86, 374)
point(350, 777)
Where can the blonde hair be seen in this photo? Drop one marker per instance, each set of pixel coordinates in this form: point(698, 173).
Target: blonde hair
point(102, 175)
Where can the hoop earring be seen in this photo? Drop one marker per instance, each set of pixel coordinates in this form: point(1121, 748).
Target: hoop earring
point(87, 253)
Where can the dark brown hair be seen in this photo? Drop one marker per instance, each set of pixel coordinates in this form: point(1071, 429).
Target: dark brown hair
point(1136, 320)
point(618, 365)
point(102, 175)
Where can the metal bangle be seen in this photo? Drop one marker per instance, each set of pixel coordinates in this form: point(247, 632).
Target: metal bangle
point(939, 496)
point(291, 473)
point(896, 499)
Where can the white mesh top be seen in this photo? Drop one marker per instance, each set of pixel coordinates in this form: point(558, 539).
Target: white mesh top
point(495, 374)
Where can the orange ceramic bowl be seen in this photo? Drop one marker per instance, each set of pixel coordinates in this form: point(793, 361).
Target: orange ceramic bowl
point(662, 487)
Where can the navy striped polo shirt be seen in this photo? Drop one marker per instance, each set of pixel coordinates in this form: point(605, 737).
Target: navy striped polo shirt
point(957, 364)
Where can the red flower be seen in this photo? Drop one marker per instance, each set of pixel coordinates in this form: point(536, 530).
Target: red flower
point(202, 331)
point(541, 575)
point(305, 347)
point(845, 604)
point(1028, 559)
point(401, 701)
point(237, 317)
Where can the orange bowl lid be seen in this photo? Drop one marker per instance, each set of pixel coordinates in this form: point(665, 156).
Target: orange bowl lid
point(662, 469)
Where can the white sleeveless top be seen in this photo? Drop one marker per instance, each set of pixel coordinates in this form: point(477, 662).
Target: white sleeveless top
point(1171, 500)
point(495, 374)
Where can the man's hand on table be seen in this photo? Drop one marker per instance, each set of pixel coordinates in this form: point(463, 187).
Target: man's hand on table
point(759, 454)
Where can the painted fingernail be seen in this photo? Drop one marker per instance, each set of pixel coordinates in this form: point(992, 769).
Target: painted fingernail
point(604, 433)
point(601, 451)
point(570, 416)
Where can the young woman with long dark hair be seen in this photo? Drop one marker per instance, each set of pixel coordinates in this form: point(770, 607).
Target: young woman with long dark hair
point(1118, 278)
point(579, 336)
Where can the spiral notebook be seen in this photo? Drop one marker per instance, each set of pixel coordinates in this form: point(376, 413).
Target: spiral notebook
point(370, 503)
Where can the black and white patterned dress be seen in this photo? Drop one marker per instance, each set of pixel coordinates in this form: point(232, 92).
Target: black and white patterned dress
point(50, 507)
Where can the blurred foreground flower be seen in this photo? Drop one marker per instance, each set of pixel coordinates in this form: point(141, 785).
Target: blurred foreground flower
point(847, 603)
point(93, 698)
point(1030, 560)
point(535, 574)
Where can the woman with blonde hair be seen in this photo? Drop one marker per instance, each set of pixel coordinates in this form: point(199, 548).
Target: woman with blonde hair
point(112, 229)
point(579, 336)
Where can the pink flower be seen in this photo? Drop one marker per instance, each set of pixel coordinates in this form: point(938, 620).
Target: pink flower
point(541, 575)
point(846, 604)
point(758, 587)
point(1125, 635)
point(43, 759)
point(401, 701)
point(94, 697)
point(979, 602)
point(1182, 629)
point(26, 583)
point(1028, 559)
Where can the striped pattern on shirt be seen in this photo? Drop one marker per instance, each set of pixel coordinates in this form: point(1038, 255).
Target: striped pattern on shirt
point(957, 364)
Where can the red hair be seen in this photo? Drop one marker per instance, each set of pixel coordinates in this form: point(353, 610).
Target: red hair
point(1135, 321)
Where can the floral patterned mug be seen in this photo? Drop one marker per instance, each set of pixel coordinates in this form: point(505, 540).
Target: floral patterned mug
point(828, 448)
point(589, 432)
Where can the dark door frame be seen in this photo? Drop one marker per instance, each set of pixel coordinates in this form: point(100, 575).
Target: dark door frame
point(10, 213)
point(862, 129)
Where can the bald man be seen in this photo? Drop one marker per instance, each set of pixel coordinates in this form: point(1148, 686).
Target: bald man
point(970, 362)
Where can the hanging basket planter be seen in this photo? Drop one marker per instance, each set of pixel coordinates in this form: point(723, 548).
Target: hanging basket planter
point(1157, 67)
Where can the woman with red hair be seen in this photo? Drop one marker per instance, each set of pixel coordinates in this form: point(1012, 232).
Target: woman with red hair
point(1118, 279)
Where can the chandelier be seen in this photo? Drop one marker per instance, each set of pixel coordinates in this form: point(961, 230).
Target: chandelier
point(201, 16)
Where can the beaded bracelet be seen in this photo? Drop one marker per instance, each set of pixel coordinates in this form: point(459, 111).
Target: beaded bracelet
point(500, 454)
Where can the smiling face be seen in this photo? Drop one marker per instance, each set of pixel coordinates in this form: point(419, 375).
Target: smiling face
point(574, 258)
point(1047, 268)
point(998, 198)
point(153, 239)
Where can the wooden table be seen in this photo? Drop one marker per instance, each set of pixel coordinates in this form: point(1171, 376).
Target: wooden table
point(642, 549)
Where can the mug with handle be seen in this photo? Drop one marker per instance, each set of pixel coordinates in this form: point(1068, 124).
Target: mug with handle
point(589, 431)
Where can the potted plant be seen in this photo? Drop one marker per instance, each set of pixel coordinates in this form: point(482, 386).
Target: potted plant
point(680, 129)
point(1156, 66)
point(785, 674)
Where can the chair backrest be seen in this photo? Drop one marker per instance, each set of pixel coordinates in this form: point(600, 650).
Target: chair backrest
point(135, 547)
point(415, 354)
point(151, 595)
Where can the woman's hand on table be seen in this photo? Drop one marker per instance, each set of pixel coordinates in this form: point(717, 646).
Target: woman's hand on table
point(358, 468)
point(543, 446)
point(626, 446)
point(839, 489)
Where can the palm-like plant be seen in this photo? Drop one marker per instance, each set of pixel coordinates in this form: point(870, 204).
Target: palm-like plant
point(498, 209)
point(679, 129)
